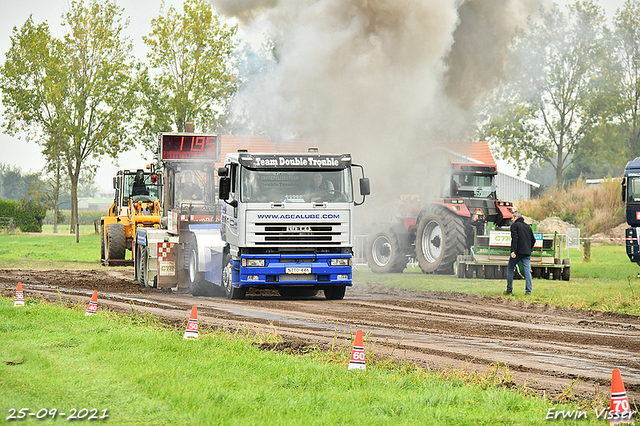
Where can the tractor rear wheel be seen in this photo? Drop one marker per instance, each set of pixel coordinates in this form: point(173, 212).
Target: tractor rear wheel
point(440, 238)
point(116, 245)
point(385, 254)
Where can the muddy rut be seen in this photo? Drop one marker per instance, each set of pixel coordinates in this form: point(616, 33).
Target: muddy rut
point(547, 348)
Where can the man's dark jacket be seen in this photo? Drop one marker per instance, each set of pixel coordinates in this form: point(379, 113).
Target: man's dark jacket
point(522, 239)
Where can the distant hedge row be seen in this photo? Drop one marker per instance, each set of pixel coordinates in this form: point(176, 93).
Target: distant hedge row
point(27, 214)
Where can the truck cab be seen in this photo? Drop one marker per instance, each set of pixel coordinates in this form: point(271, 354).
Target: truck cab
point(631, 198)
point(287, 220)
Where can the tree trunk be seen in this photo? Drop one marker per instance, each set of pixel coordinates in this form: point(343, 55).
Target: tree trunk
point(56, 212)
point(74, 202)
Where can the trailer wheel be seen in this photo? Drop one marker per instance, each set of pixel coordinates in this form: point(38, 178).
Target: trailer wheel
point(335, 292)
point(536, 272)
point(440, 238)
point(116, 245)
point(385, 254)
point(566, 271)
point(227, 281)
point(480, 271)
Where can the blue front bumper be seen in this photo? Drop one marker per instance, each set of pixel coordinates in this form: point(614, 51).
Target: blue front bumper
point(309, 269)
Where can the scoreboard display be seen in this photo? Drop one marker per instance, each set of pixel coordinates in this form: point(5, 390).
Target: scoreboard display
point(189, 146)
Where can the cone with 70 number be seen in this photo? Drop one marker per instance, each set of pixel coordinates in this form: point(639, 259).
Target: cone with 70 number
point(357, 353)
point(93, 305)
point(192, 326)
point(19, 300)
point(620, 410)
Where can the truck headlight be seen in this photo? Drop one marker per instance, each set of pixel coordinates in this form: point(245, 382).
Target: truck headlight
point(253, 262)
point(341, 262)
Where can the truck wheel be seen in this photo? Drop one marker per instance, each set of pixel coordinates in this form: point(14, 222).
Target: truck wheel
point(143, 270)
point(335, 293)
point(227, 281)
point(385, 254)
point(102, 242)
point(440, 238)
point(116, 241)
point(566, 271)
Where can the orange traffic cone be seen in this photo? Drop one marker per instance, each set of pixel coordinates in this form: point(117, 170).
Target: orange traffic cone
point(620, 410)
point(357, 353)
point(192, 326)
point(93, 305)
point(19, 300)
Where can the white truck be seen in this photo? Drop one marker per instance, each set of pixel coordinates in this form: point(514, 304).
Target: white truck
point(282, 221)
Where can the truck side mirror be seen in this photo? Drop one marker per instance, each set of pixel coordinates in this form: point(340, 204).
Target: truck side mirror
point(365, 188)
point(223, 172)
point(115, 183)
point(624, 189)
point(224, 187)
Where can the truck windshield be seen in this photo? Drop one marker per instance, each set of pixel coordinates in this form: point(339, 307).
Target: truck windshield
point(633, 189)
point(472, 185)
point(296, 186)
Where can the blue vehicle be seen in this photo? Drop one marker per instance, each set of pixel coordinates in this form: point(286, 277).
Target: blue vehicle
point(287, 223)
point(631, 198)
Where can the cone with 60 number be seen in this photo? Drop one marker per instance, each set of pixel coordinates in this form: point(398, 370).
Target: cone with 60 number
point(192, 326)
point(93, 305)
point(19, 300)
point(357, 353)
point(620, 410)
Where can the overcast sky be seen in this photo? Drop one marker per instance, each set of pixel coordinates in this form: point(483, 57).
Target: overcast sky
point(27, 155)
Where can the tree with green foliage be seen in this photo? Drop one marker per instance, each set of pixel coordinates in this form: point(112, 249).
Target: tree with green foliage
point(626, 107)
point(556, 89)
point(78, 92)
point(193, 78)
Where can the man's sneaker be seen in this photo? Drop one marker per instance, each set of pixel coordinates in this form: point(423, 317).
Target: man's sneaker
point(507, 292)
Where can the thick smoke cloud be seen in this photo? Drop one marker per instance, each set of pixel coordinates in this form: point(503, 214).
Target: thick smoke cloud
point(383, 79)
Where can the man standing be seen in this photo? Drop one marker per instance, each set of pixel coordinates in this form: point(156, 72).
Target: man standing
point(522, 242)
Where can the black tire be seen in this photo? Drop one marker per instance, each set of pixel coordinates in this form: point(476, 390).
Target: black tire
point(480, 272)
point(335, 292)
point(102, 242)
point(197, 284)
point(440, 239)
point(556, 273)
point(385, 254)
point(116, 245)
point(566, 271)
point(227, 283)
point(143, 271)
point(536, 272)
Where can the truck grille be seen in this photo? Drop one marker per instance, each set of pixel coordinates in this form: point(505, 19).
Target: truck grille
point(327, 234)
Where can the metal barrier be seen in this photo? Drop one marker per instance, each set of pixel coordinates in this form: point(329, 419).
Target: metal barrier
point(7, 223)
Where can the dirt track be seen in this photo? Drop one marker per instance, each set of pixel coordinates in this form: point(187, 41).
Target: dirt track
point(545, 347)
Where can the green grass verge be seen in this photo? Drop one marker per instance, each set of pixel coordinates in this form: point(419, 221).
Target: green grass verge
point(49, 252)
point(145, 373)
point(607, 282)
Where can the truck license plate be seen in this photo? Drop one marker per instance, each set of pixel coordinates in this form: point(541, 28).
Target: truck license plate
point(298, 270)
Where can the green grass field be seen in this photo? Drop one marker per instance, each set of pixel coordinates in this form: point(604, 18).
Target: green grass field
point(607, 282)
point(142, 372)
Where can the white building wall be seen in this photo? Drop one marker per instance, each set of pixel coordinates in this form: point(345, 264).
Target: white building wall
point(511, 188)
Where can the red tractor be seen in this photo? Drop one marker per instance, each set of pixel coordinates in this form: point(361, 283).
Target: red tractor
point(444, 227)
